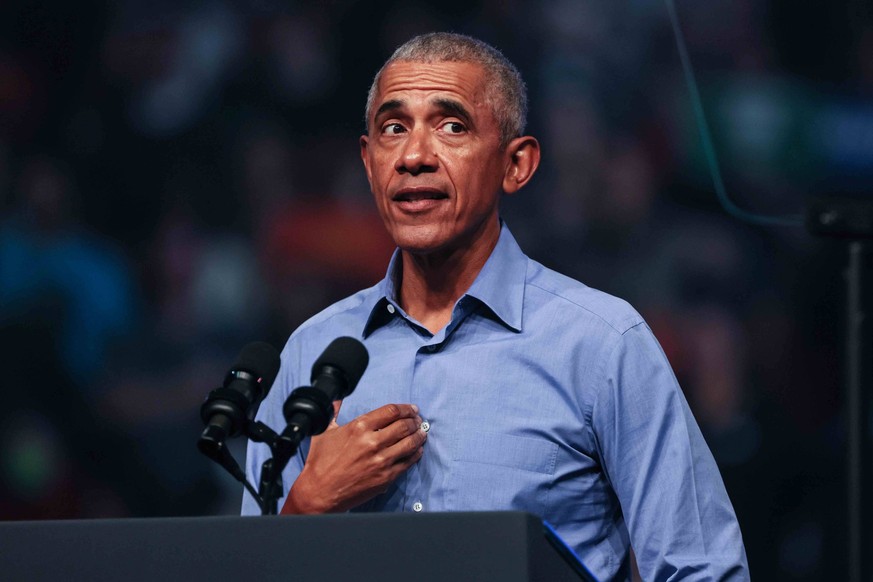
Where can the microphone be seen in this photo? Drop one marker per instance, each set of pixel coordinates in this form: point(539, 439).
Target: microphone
point(228, 409)
point(335, 375)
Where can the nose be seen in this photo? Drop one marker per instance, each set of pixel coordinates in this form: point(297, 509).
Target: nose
point(417, 155)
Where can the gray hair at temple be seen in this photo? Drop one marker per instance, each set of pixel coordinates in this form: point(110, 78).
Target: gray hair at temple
point(507, 92)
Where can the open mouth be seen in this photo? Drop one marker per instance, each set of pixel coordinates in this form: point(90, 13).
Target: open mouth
point(417, 195)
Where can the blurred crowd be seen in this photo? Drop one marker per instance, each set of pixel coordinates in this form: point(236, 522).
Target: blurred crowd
point(178, 179)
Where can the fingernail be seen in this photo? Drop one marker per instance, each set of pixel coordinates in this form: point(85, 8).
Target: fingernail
point(415, 408)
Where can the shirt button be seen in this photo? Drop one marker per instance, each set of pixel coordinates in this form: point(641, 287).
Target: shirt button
point(390, 308)
point(425, 426)
point(417, 506)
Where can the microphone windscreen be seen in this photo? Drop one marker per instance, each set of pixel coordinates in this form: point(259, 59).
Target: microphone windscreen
point(347, 354)
point(259, 359)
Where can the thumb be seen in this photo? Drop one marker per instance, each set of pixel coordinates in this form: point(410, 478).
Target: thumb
point(337, 404)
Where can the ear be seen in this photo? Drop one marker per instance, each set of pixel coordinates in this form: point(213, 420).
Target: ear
point(364, 141)
point(524, 158)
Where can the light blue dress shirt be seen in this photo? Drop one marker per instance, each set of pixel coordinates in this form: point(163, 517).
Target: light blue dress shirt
point(541, 395)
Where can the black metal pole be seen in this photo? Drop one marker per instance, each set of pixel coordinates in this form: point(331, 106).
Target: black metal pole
point(850, 219)
point(858, 410)
point(270, 488)
point(283, 447)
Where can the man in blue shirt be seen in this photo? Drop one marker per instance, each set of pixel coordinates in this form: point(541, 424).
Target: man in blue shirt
point(495, 383)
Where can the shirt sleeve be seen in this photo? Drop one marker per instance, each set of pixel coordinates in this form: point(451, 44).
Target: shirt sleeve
point(270, 413)
point(679, 516)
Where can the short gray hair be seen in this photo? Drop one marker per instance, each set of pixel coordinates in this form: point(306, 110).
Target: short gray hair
point(507, 92)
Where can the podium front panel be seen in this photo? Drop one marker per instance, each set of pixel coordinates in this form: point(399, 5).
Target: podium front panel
point(501, 546)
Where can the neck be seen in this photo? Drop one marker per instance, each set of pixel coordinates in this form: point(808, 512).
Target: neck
point(433, 282)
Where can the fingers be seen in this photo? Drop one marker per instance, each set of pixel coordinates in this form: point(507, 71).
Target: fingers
point(397, 458)
point(387, 415)
point(384, 432)
point(409, 449)
point(397, 441)
point(399, 430)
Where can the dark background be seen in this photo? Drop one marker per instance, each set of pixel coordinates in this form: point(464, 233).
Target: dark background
point(180, 178)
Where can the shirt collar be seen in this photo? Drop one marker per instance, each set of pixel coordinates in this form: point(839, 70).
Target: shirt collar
point(499, 285)
point(386, 294)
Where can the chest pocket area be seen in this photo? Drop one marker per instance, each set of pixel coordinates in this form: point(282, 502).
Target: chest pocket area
point(495, 471)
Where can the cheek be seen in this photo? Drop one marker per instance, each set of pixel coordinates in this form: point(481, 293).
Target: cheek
point(378, 183)
point(481, 184)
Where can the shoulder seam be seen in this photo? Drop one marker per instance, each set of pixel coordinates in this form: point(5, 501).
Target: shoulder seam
point(320, 317)
point(621, 331)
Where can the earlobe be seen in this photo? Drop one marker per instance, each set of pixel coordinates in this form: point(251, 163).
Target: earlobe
point(524, 160)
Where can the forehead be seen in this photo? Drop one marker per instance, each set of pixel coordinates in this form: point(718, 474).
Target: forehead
point(413, 79)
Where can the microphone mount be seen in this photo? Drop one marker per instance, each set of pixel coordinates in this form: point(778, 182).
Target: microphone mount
point(228, 411)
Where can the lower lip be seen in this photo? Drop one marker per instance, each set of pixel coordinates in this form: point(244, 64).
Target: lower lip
point(422, 205)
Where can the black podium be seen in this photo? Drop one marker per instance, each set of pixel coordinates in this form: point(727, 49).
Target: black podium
point(501, 546)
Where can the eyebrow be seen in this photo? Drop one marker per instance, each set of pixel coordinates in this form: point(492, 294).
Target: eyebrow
point(390, 105)
point(446, 106)
point(453, 107)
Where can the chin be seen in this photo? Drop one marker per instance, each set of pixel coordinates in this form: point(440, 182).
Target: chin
point(419, 240)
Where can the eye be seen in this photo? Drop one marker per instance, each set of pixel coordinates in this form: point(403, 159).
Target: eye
point(393, 129)
point(454, 127)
